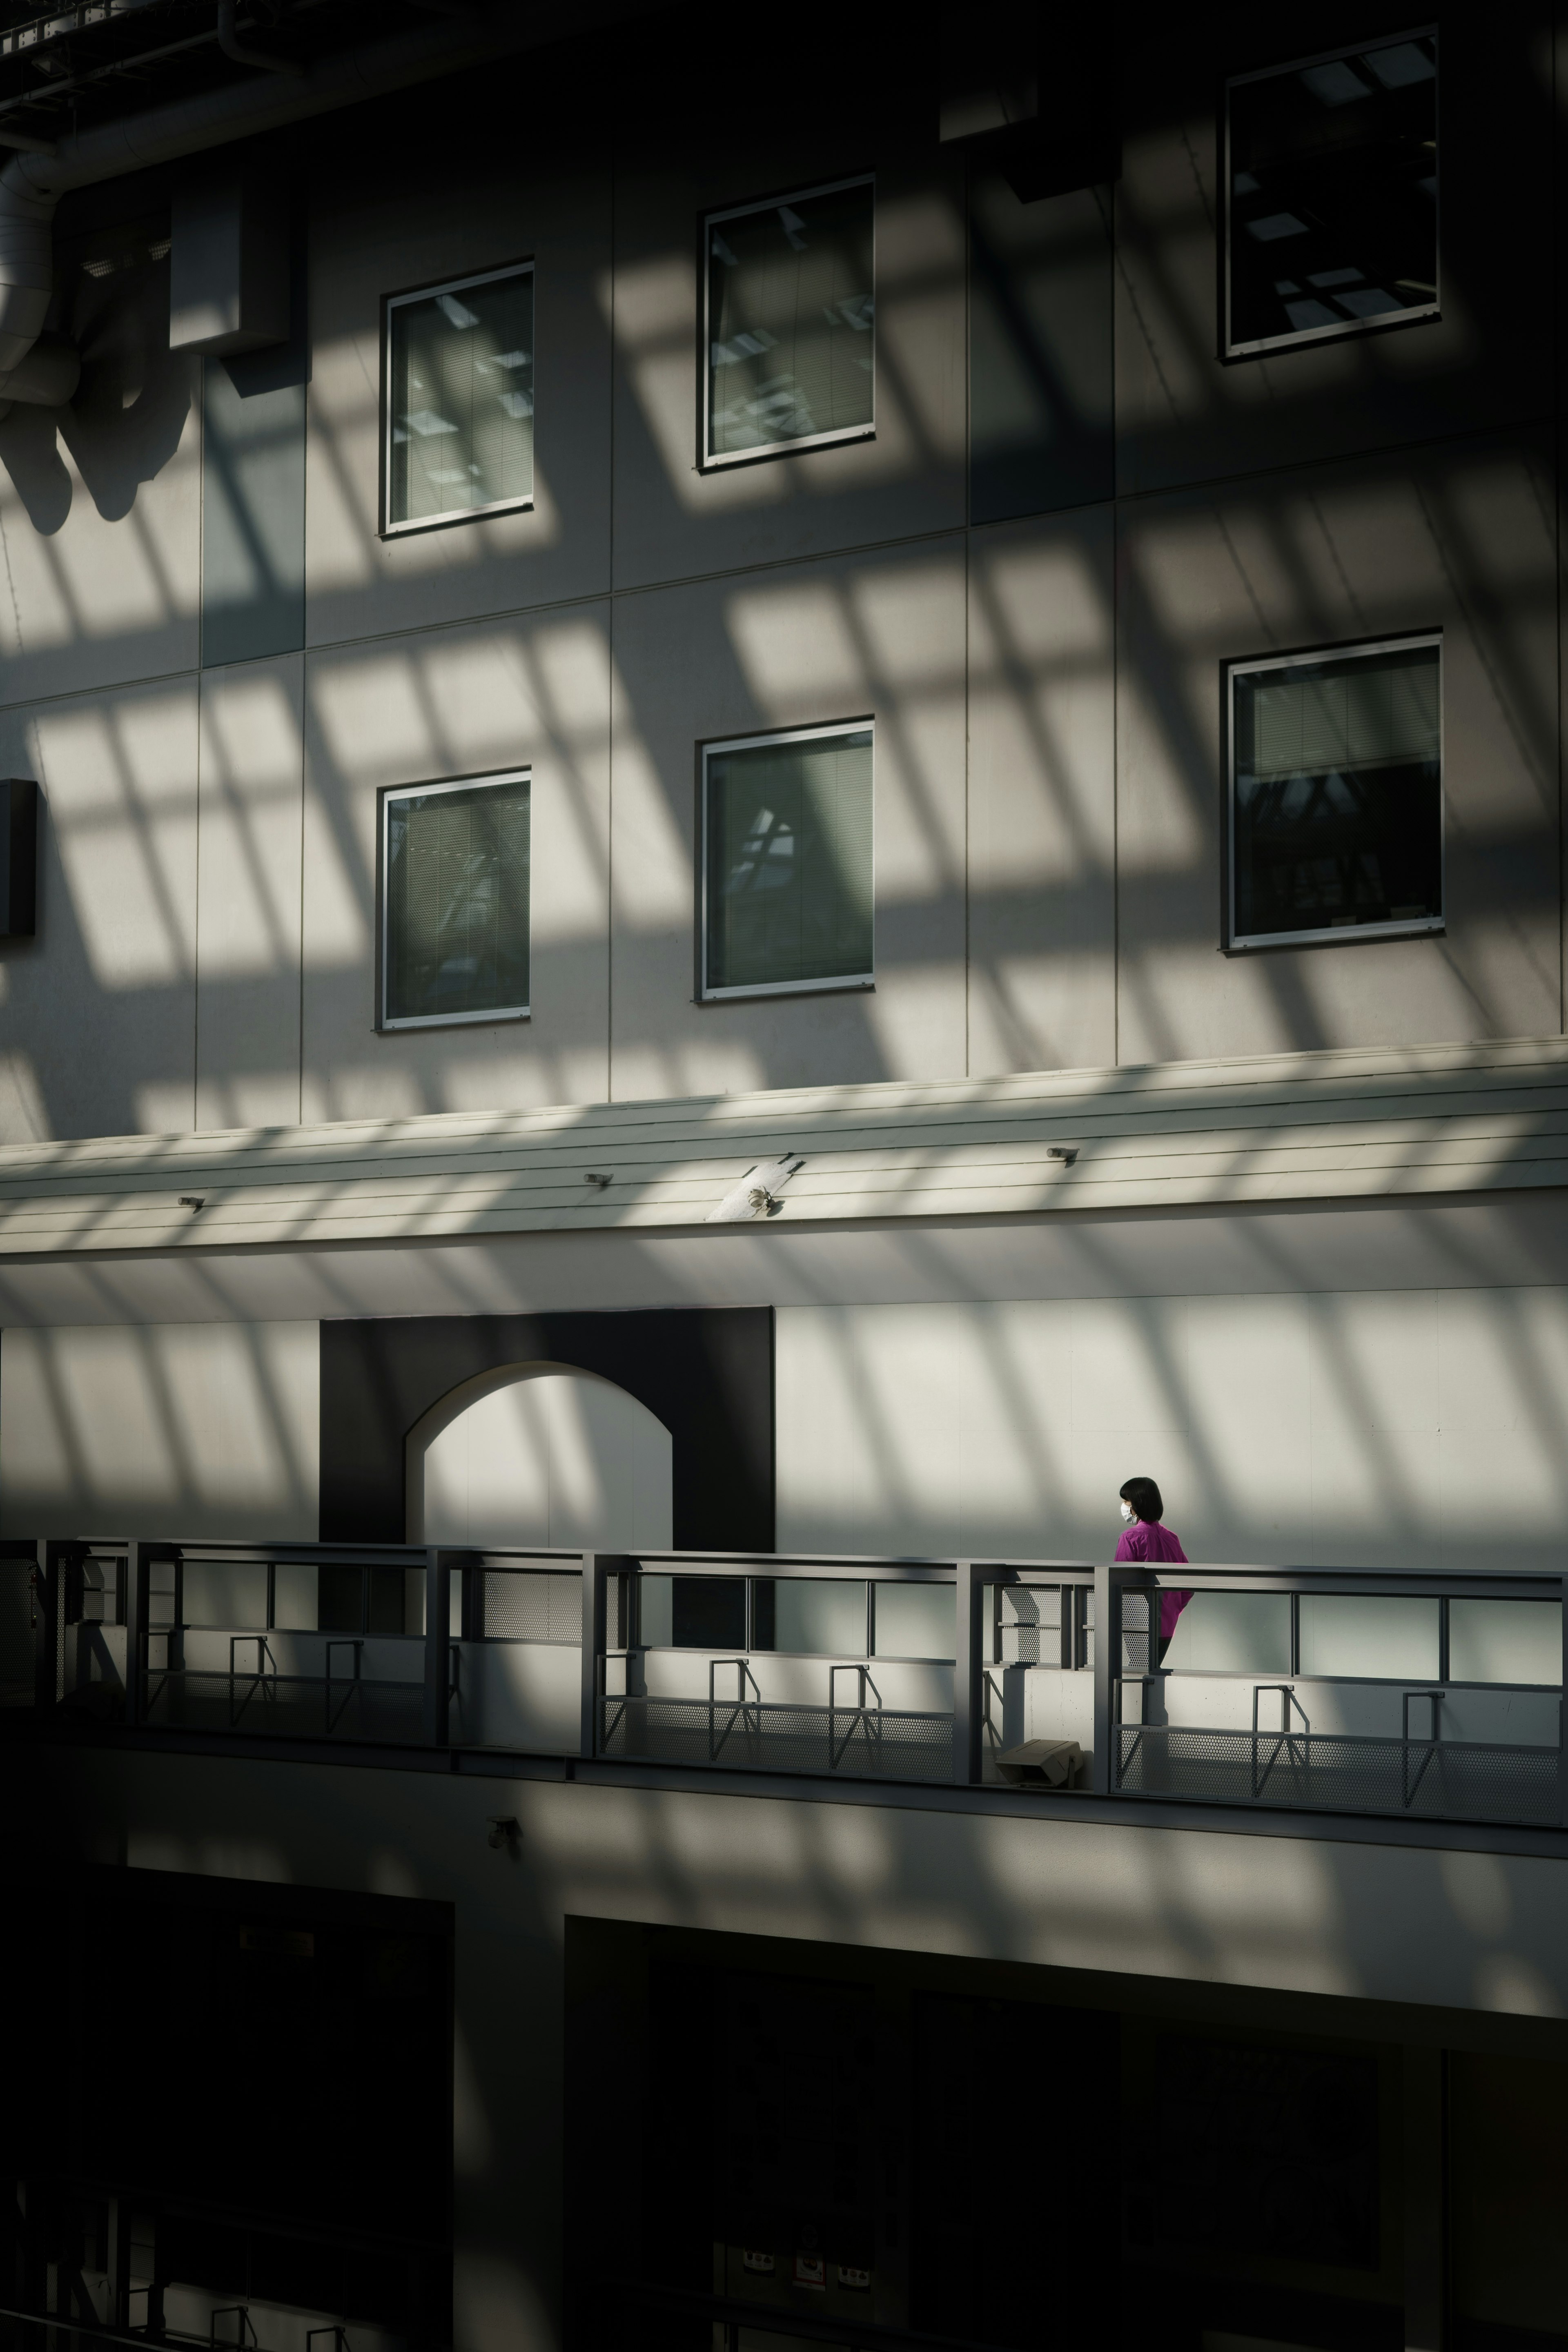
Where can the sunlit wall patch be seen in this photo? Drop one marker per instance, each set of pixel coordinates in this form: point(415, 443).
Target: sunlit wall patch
point(1335, 794)
point(458, 400)
point(787, 869)
point(789, 322)
point(1330, 195)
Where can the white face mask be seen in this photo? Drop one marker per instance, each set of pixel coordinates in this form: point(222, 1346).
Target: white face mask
point(1128, 1513)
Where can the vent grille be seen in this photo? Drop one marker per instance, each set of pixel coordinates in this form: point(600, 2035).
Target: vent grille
point(534, 1605)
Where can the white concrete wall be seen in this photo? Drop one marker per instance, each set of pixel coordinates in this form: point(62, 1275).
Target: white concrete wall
point(186, 1429)
point(536, 1455)
point(1402, 1429)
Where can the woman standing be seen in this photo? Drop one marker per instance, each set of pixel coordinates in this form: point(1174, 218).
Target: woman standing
point(1144, 1538)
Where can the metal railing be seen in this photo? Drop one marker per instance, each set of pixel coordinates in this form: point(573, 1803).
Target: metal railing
point(405, 1646)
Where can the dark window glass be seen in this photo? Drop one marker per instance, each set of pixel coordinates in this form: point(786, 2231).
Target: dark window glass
point(1333, 194)
point(1338, 795)
point(456, 902)
point(709, 1612)
point(790, 312)
point(789, 862)
point(461, 395)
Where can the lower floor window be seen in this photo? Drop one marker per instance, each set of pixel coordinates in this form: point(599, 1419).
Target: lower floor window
point(786, 840)
point(455, 867)
point(1336, 794)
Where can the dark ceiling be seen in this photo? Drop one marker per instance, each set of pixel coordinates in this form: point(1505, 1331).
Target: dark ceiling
point(81, 65)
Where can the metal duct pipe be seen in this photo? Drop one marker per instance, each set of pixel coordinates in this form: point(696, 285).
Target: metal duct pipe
point(31, 185)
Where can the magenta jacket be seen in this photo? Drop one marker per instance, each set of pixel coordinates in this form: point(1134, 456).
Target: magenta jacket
point(1148, 1539)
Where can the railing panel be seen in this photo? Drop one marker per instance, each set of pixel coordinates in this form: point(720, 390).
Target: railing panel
point(760, 1736)
point(1382, 1635)
point(1331, 1772)
point(1232, 1633)
point(1505, 1641)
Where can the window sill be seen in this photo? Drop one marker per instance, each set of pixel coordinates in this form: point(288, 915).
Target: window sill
point(458, 515)
point(723, 462)
point(1350, 935)
point(861, 986)
point(454, 1021)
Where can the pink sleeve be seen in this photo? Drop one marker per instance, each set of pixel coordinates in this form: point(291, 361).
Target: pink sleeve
point(1130, 1547)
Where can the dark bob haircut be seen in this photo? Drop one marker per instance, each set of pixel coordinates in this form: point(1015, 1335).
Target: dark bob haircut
point(1144, 1498)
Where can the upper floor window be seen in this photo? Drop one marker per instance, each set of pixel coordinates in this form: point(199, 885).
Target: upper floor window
point(454, 936)
point(1336, 798)
point(459, 429)
point(790, 306)
point(786, 860)
point(1331, 195)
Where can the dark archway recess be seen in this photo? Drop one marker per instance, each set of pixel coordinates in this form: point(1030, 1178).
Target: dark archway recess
point(706, 1372)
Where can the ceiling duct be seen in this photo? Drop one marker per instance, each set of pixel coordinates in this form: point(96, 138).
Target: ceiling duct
point(31, 185)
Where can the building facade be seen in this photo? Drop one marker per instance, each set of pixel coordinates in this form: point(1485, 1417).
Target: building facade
point(766, 811)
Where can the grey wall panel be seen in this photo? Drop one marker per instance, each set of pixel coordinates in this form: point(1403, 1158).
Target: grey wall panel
point(1042, 760)
point(248, 892)
point(1184, 416)
point(207, 1429)
point(681, 151)
point(1459, 537)
point(1040, 352)
point(253, 517)
point(413, 200)
point(99, 1033)
point(416, 709)
point(879, 636)
point(99, 502)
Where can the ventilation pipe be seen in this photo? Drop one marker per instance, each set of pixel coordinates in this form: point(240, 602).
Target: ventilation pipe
point(45, 370)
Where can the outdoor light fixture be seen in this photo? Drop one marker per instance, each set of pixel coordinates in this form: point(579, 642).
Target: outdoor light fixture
point(1067, 1152)
point(502, 1827)
point(756, 1194)
point(593, 1176)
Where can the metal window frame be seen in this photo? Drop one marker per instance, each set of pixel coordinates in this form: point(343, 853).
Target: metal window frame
point(710, 460)
point(1337, 329)
point(1424, 927)
point(388, 794)
point(837, 984)
point(391, 303)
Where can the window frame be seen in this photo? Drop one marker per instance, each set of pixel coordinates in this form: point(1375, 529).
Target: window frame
point(1338, 330)
point(391, 302)
point(1424, 927)
point(850, 982)
point(390, 1023)
point(709, 460)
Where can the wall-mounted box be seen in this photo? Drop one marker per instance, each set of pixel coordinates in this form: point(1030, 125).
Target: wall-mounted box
point(228, 261)
point(18, 858)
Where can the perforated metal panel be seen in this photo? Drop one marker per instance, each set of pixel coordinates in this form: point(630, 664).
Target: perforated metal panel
point(534, 1605)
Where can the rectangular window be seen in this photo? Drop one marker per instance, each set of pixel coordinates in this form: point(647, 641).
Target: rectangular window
point(1331, 195)
point(1336, 817)
point(460, 399)
point(790, 306)
point(787, 853)
point(455, 901)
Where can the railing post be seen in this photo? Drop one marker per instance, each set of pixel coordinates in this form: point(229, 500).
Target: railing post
point(596, 1568)
point(1107, 1645)
point(136, 1558)
point(438, 1640)
point(966, 1675)
point(46, 1646)
point(1562, 1716)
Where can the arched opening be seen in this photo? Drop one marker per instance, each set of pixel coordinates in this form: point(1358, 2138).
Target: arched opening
point(540, 1454)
